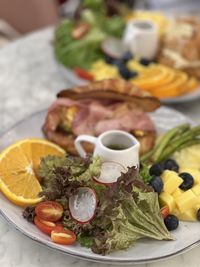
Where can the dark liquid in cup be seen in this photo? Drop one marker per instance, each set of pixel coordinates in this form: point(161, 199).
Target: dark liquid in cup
point(116, 147)
point(143, 25)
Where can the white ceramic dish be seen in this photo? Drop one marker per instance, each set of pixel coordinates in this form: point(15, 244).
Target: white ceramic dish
point(74, 80)
point(146, 250)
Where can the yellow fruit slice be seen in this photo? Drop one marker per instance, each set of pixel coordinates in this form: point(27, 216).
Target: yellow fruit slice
point(18, 166)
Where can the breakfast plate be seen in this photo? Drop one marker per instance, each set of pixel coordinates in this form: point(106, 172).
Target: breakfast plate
point(186, 236)
point(85, 50)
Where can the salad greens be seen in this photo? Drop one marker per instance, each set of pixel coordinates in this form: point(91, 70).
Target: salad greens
point(83, 51)
point(126, 211)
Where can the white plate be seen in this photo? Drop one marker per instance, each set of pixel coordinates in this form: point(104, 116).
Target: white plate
point(183, 98)
point(74, 80)
point(145, 250)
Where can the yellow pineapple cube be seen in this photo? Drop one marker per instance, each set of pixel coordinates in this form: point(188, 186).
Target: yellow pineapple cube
point(166, 199)
point(175, 211)
point(198, 201)
point(177, 192)
point(171, 181)
point(197, 207)
point(165, 176)
point(194, 172)
point(196, 189)
point(189, 215)
point(186, 201)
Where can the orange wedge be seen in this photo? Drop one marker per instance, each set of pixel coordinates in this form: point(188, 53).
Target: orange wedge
point(18, 165)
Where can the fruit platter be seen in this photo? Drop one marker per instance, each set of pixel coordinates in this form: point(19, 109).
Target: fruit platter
point(96, 45)
point(96, 208)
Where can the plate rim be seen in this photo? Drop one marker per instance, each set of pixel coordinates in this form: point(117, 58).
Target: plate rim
point(88, 257)
point(93, 259)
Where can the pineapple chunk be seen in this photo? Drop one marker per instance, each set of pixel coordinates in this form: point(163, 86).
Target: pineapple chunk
point(186, 201)
point(165, 176)
point(194, 172)
point(197, 207)
point(177, 192)
point(196, 189)
point(167, 199)
point(198, 201)
point(176, 211)
point(189, 215)
point(171, 181)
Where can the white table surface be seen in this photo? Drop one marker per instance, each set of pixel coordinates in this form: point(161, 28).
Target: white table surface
point(29, 80)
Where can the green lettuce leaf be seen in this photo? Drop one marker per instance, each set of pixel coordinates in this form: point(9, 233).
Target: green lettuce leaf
point(85, 240)
point(77, 53)
point(62, 176)
point(131, 220)
point(86, 50)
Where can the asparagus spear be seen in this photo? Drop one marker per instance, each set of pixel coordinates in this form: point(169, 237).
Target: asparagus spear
point(188, 138)
point(163, 142)
point(174, 140)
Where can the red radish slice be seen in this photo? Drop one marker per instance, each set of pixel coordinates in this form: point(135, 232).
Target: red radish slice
point(113, 47)
point(110, 172)
point(83, 204)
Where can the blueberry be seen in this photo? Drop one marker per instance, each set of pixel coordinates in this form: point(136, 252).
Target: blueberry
point(157, 184)
point(109, 59)
point(132, 74)
point(124, 72)
point(171, 222)
point(171, 165)
point(118, 62)
point(127, 56)
point(156, 169)
point(188, 181)
point(145, 61)
point(198, 215)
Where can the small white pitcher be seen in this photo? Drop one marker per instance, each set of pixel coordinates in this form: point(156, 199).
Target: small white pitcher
point(127, 154)
point(141, 38)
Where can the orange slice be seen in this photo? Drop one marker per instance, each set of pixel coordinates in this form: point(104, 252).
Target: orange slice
point(156, 75)
point(18, 165)
point(192, 84)
point(175, 88)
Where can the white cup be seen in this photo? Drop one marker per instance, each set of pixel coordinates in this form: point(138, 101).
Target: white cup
point(128, 156)
point(141, 38)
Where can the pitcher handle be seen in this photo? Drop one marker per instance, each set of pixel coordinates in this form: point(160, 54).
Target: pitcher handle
point(84, 138)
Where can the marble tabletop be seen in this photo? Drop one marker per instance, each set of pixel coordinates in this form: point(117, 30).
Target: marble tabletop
point(29, 80)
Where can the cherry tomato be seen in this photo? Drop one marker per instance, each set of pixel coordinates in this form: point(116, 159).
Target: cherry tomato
point(165, 211)
point(83, 74)
point(63, 237)
point(80, 30)
point(45, 226)
point(49, 211)
point(59, 226)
